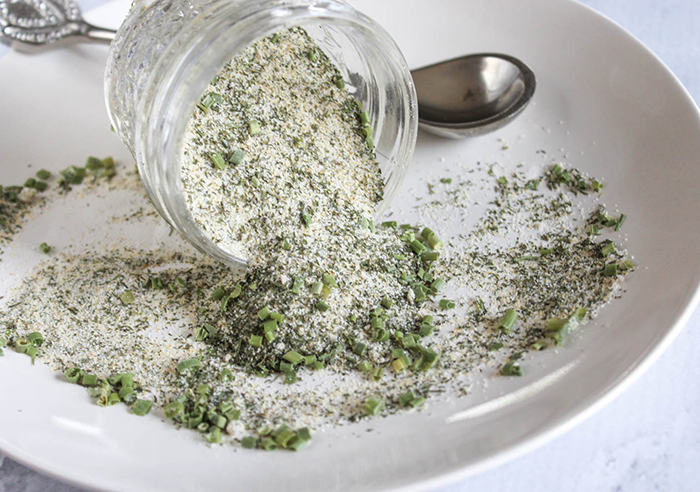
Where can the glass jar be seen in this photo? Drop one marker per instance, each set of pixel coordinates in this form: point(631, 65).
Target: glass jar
point(166, 52)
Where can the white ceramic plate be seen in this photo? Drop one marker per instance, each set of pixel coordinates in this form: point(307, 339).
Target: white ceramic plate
point(602, 99)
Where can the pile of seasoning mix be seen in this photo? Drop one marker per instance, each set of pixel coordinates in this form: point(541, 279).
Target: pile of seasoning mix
point(339, 316)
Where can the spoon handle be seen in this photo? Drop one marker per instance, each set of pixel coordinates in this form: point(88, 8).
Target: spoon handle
point(99, 34)
point(40, 22)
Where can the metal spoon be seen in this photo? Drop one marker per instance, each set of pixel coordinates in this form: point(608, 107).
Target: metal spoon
point(472, 95)
point(464, 97)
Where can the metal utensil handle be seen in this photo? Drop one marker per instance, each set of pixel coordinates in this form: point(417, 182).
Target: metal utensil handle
point(99, 34)
point(39, 22)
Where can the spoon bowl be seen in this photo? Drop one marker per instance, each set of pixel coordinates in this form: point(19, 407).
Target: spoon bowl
point(472, 95)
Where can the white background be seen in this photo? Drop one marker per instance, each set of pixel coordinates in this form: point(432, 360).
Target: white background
point(647, 439)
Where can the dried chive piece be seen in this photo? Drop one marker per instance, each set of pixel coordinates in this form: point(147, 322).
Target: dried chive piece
point(437, 285)
point(322, 306)
point(188, 364)
point(254, 128)
point(93, 163)
point(417, 246)
point(390, 223)
point(73, 175)
point(417, 401)
point(359, 348)
point(406, 398)
point(539, 345)
point(45, 248)
point(435, 243)
point(224, 302)
point(339, 82)
point(237, 289)
point(41, 185)
point(293, 357)
point(508, 320)
point(374, 405)
point(264, 313)
point(400, 364)
point(112, 399)
point(249, 442)
point(316, 288)
point(329, 280)
point(255, 341)
point(429, 256)
point(35, 338)
point(427, 360)
point(237, 157)
point(608, 248)
point(296, 285)
point(559, 327)
point(43, 174)
point(141, 407)
point(447, 304)
point(88, 380)
point(426, 330)
point(218, 293)
point(127, 297)
point(270, 326)
point(32, 352)
point(611, 270)
point(226, 375)
point(620, 221)
point(511, 368)
point(200, 333)
point(495, 346)
point(268, 444)
point(73, 375)
point(21, 345)
point(214, 436)
point(364, 118)
point(218, 161)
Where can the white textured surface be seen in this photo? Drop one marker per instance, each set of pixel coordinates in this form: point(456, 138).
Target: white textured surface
point(647, 439)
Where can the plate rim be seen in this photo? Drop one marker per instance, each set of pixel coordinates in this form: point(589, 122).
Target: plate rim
point(510, 452)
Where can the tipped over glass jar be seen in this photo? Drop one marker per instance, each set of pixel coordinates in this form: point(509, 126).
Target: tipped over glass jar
point(167, 51)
